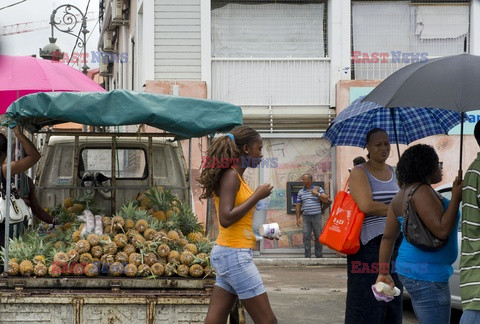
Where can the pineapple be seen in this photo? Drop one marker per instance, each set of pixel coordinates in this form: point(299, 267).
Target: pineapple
point(143, 270)
point(170, 269)
point(208, 271)
point(135, 258)
point(116, 269)
point(67, 203)
point(40, 270)
point(173, 257)
point(39, 258)
point(186, 257)
point(121, 240)
point(76, 236)
point(91, 270)
point(141, 225)
point(54, 270)
point(131, 270)
point(191, 247)
point(104, 240)
point(149, 234)
point(150, 258)
point(60, 258)
point(78, 208)
point(195, 270)
point(26, 268)
point(106, 221)
point(13, 268)
point(96, 251)
point(131, 233)
point(160, 215)
point(82, 246)
point(194, 237)
point(118, 223)
point(59, 245)
point(129, 249)
point(173, 235)
point(129, 224)
point(138, 240)
point(107, 259)
point(157, 269)
point(182, 270)
point(110, 248)
point(85, 258)
point(77, 269)
point(73, 256)
point(93, 239)
point(121, 257)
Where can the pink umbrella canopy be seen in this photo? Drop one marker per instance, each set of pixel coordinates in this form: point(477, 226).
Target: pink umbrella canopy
point(23, 75)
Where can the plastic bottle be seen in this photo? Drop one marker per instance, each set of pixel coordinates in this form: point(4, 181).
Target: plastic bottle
point(260, 216)
point(385, 289)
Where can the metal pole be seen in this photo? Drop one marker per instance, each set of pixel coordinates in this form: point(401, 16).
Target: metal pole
point(7, 199)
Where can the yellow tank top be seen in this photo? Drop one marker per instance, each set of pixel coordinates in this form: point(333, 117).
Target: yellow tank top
point(239, 235)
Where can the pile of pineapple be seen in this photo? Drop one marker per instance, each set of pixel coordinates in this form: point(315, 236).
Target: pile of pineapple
point(153, 236)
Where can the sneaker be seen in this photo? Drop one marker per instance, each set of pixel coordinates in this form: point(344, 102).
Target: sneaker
point(102, 182)
point(88, 181)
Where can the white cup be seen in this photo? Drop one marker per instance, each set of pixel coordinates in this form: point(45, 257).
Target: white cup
point(270, 230)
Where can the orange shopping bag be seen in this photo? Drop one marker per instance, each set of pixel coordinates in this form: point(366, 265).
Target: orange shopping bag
point(342, 231)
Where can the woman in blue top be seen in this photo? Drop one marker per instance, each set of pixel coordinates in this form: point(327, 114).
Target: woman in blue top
point(423, 273)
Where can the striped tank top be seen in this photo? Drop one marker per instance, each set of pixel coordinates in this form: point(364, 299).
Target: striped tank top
point(382, 191)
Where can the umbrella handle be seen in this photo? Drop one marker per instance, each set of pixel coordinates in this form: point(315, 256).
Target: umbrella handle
point(460, 174)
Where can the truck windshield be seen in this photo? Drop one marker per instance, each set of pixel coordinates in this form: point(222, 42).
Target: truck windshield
point(130, 163)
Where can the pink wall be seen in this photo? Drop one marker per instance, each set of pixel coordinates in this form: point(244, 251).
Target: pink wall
point(193, 89)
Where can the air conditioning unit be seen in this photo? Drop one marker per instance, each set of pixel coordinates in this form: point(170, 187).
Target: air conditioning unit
point(108, 41)
point(104, 69)
point(117, 7)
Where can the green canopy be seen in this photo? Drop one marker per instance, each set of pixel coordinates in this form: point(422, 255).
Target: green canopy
point(182, 116)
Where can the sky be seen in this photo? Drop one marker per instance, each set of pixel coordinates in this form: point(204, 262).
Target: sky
point(38, 13)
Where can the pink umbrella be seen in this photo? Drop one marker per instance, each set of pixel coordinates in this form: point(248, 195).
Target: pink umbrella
point(22, 75)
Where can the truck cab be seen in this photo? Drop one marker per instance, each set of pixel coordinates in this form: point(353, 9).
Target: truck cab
point(114, 168)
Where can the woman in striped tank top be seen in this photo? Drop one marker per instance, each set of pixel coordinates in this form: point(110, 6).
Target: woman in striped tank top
point(372, 185)
point(221, 178)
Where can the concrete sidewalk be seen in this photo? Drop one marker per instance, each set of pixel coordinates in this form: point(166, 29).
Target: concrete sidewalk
point(298, 261)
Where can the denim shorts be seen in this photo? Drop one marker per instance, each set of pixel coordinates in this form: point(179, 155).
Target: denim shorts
point(236, 272)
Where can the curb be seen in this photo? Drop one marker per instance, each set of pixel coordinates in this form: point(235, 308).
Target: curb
point(299, 262)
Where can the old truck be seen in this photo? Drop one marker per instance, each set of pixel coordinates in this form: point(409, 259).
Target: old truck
point(114, 166)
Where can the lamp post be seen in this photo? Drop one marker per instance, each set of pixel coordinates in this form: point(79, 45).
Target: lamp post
point(67, 24)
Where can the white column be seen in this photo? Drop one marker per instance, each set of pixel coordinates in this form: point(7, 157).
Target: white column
point(148, 45)
point(475, 27)
point(339, 50)
point(206, 44)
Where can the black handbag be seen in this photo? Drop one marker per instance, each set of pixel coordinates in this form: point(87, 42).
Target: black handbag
point(415, 231)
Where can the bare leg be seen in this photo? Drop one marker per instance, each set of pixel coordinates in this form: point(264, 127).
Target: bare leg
point(259, 309)
point(221, 303)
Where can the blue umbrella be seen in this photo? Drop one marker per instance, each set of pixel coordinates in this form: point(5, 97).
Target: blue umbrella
point(403, 125)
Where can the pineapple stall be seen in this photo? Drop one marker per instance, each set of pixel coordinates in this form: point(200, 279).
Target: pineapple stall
point(144, 261)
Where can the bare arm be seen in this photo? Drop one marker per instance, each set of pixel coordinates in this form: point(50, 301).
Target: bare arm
point(298, 212)
point(392, 230)
point(228, 188)
point(429, 209)
point(31, 154)
point(362, 194)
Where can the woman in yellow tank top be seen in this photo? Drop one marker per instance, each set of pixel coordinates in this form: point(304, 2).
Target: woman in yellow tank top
point(232, 256)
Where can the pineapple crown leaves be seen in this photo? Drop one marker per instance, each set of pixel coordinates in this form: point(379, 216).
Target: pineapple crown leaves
point(161, 199)
point(204, 247)
point(88, 201)
point(26, 246)
point(187, 220)
point(129, 210)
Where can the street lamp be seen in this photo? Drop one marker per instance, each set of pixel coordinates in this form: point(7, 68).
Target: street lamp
point(67, 24)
